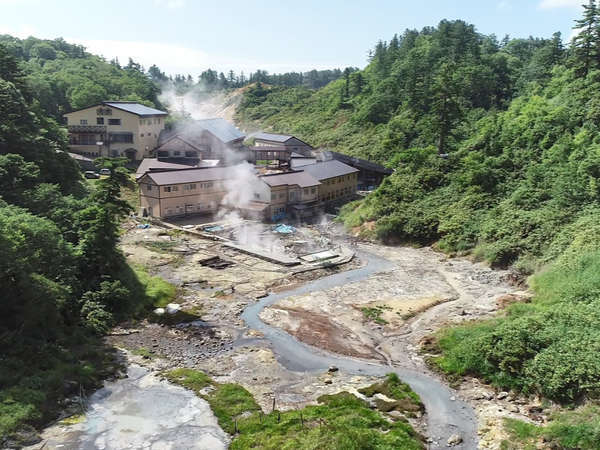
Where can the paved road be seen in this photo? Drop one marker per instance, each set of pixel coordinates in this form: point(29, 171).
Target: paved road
point(445, 416)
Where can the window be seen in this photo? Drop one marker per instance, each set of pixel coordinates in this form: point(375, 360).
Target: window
point(175, 188)
point(187, 187)
point(273, 196)
point(189, 153)
point(148, 187)
point(176, 153)
point(257, 196)
point(83, 122)
point(167, 189)
point(159, 120)
point(313, 190)
point(141, 134)
point(121, 137)
point(114, 121)
point(305, 191)
point(281, 195)
point(163, 154)
point(99, 120)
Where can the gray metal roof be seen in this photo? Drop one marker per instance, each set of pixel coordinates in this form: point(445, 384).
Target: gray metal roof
point(301, 179)
point(328, 169)
point(192, 175)
point(272, 137)
point(359, 163)
point(222, 129)
point(136, 108)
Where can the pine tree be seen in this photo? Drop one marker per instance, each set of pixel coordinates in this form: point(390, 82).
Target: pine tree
point(585, 44)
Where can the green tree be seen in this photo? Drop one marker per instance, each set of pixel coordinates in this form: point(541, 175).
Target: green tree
point(586, 43)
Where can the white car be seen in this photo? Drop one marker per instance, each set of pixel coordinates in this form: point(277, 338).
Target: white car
point(105, 171)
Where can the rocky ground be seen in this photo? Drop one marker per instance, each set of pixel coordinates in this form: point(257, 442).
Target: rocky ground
point(385, 317)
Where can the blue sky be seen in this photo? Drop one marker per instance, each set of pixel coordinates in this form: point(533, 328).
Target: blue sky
point(187, 36)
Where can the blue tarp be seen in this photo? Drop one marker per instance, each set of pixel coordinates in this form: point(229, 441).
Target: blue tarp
point(213, 228)
point(144, 226)
point(284, 229)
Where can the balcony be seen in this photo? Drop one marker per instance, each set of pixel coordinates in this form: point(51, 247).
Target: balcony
point(91, 129)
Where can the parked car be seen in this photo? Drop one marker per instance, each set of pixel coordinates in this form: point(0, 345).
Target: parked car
point(105, 171)
point(91, 174)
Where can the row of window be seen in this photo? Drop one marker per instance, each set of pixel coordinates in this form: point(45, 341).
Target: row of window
point(155, 120)
point(148, 134)
point(186, 187)
point(339, 179)
point(337, 194)
point(190, 209)
point(100, 121)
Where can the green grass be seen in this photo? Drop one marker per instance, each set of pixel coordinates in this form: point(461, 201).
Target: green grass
point(573, 429)
point(406, 400)
point(160, 246)
point(340, 421)
point(158, 291)
point(549, 346)
point(374, 314)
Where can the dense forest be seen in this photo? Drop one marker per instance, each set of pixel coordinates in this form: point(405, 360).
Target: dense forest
point(495, 147)
point(64, 281)
point(210, 81)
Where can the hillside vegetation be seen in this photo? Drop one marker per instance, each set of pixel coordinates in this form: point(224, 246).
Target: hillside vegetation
point(64, 281)
point(496, 151)
point(63, 77)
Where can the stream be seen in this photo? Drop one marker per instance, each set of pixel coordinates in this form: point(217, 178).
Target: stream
point(145, 412)
point(446, 414)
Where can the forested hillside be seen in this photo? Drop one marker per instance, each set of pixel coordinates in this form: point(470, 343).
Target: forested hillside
point(496, 151)
point(63, 77)
point(64, 281)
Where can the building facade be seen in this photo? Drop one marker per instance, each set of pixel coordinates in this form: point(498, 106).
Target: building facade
point(338, 181)
point(291, 143)
point(115, 129)
point(201, 139)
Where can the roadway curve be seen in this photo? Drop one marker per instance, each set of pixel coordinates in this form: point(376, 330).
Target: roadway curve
point(446, 414)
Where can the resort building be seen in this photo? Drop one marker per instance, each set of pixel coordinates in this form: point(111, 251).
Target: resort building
point(291, 143)
point(115, 129)
point(338, 180)
point(200, 140)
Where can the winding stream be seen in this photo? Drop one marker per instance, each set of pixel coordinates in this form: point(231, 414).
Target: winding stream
point(446, 415)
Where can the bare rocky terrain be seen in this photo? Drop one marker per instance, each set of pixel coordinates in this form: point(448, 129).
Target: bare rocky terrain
point(382, 318)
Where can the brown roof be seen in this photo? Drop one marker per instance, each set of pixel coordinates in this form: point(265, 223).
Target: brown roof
point(149, 164)
point(301, 179)
point(191, 175)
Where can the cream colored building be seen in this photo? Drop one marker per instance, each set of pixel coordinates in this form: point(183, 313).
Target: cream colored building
point(338, 180)
point(115, 129)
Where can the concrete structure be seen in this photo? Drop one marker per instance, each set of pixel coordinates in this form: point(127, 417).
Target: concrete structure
point(291, 143)
point(338, 180)
point(115, 129)
point(200, 139)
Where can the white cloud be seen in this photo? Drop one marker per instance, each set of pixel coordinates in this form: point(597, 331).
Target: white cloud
point(504, 5)
point(172, 4)
point(172, 58)
point(552, 4)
